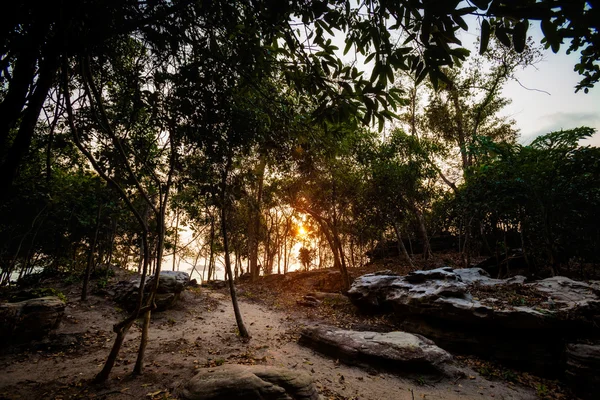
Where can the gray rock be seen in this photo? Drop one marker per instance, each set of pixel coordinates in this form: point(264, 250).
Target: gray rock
point(399, 351)
point(567, 293)
point(249, 382)
point(170, 286)
point(438, 304)
point(170, 281)
point(583, 369)
point(30, 319)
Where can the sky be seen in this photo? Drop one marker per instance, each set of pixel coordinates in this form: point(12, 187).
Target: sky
point(551, 104)
point(537, 113)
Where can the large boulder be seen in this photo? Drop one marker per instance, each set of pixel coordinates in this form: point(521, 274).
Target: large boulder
point(398, 351)
point(170, 286)
point(30, 319)
point(583, 369)
point(523, 324)
point(170, 281)
point(249, 382)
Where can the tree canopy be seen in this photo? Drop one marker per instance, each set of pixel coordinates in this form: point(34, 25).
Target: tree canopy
point(121, 122)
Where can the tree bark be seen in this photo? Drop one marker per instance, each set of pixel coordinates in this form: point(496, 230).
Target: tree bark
point(236, 309)
point(401, 248)
point(22, 141)
point(176, 236)
point(422, 232)
point(255, 220)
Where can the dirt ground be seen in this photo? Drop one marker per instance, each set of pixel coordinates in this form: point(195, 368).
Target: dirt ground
point(200, 332)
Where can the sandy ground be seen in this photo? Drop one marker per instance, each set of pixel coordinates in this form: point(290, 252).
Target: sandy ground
point(199, 333)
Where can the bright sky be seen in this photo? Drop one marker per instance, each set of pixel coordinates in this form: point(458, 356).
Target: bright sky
point(536, 112)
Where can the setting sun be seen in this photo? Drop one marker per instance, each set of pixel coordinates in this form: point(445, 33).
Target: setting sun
point(301, 230)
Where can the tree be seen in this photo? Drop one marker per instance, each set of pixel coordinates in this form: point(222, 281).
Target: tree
point(111, 111)
point(546, 191)
point(397, 170)
point(326, 185)
point(35, 41)
point(305, 255)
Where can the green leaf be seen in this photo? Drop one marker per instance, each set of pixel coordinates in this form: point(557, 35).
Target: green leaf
point(549, 30)
point(369, 57)
point(460, 22)
point(485, 36)
point(520, 35)
point(348, 47)
point(502, 36)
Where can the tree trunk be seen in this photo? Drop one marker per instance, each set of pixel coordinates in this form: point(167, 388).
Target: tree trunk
point(236, 309)
point(422, 232)
point(160, 246)
point(342, 260)
point(401, 248)
point(176, 237)
point(22, 141)
point(121, 328)
point(211, 259)
point(255, 220)
point(90, 260)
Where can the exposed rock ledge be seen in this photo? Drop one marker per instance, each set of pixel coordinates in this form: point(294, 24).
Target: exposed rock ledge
point(528, 331)
point(398, 351)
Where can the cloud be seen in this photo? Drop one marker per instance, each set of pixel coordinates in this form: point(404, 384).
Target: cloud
point(565, 120)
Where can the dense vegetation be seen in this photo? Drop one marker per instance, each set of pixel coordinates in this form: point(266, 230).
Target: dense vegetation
point(122, 122)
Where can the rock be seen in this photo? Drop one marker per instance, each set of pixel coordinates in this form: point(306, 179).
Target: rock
point(249, 382)
point(399, 351)
point(30, 319)
point(170, 286)
point(170, 281)
point(481, 277)
point(439, 305)
point(583, 369)
point(216, 284)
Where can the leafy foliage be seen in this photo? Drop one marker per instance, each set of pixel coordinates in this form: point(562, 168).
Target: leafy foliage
point(548, 190)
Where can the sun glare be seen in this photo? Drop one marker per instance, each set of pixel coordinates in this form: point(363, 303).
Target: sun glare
point(301, 230)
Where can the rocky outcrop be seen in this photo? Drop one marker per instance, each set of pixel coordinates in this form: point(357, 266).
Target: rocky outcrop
point(170, 286)
point(523, 324)
point(397, 351)
point(583, 369)
point(249, 382)
point(30, 319)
